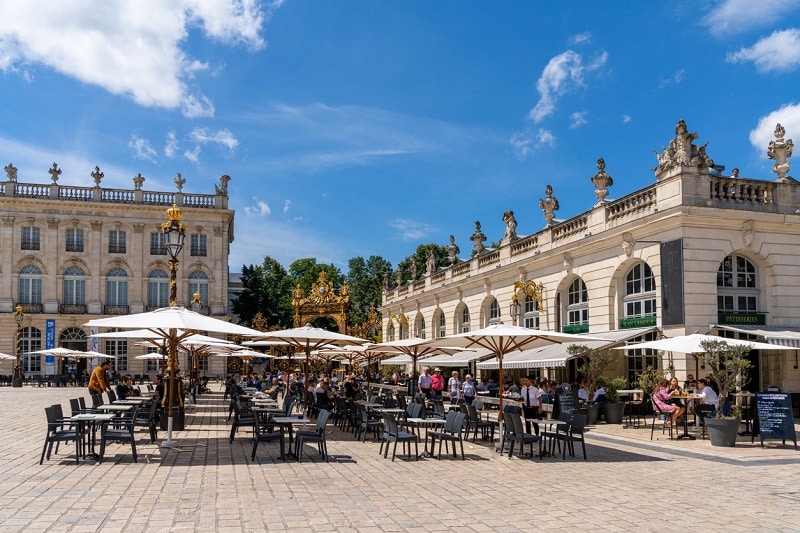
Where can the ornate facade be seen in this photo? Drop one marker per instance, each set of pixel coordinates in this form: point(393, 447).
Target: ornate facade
point(72, 253)
point(693, 251)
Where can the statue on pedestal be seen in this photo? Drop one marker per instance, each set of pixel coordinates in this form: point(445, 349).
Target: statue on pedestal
point(602, 181)
point(780, 151)
point(478, 238)
point(549, 204)
point(511, 228)
point(452, 251)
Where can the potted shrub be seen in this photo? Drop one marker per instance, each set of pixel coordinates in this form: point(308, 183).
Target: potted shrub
point(595, 362)
point(728, 367)
point(614, 408)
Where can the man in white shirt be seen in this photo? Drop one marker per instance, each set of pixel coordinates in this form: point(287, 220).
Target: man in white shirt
point(531, 403)
point(708, 401)
point(424, 382)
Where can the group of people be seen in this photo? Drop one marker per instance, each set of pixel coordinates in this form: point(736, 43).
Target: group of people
point(667, 398)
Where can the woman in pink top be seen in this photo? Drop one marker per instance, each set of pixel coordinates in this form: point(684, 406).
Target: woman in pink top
point(662, 398)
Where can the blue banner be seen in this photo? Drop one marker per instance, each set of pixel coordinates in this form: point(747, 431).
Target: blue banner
point(50, 334)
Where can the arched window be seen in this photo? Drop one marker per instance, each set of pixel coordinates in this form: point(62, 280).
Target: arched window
point(30, 340)
point(420, 326)
point(390, 332)
point(30, 285)
point(117, 287)
point(198, 283)
point(464, 319)
point(737, 287)
point(530, 318)
point(493, 314)
point(577, 304)
point(640, 291)
point(441, 326)
point(74, 286)
point(158, 289)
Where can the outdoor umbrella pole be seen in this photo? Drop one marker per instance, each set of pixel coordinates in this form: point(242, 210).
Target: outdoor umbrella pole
point(172, 366)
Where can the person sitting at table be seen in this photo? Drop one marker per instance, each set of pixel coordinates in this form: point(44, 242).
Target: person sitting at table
point(676, 390)
point(583, 392)
point(323, 394)
point(662, 399)
point(125, 388)
point(600, 395)
point(351, 390)
point(707, 403)
point(690, 383)
point(483, 386)
point(158, 381)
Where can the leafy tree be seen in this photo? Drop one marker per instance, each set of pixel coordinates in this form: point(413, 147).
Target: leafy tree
point(305, 272)
point(266, 288)
point(595, 362)
point(365, 279)
point(420, 259)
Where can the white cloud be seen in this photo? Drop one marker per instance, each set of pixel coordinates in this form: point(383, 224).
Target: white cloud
point(287, 204)
point(626, 119)
point(731, 17)
point(562, 74)
point(545, 138)
point(578, 119)
point(675, 79)
point(142, 149)
point(580, 38)
point(192, 155)
point(171, 146)
point(259, 210)
point(221, 137)
point(787, 116)
point(133, 49)
point(411, 230)
point(778, 52)
point(522, 143)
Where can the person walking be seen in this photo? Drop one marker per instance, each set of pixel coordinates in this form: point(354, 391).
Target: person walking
point(454, 387)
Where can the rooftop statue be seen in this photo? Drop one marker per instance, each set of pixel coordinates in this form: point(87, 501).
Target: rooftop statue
point(602, 181)
point(549, 204)
point(452, 251)
point(682, 151)
point(780, 151)
point(478, 238)
point(511, 228)
point(11, 172)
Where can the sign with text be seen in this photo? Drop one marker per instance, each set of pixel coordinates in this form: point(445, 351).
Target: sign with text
point(774, 417)
point(566, 400)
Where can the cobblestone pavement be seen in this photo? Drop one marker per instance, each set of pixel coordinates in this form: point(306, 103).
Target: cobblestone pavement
point(628, 483)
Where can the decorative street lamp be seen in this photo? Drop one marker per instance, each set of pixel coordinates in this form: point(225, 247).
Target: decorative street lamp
point(16, 380)
point(197, 306)
point(175, 232)
point(515, 308)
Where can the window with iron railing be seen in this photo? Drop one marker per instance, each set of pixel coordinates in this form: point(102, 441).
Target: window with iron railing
point(198, 245)
point(116, 242)
point(30, 285)
point(158, 243)
point(30, 238)
point(74, 240)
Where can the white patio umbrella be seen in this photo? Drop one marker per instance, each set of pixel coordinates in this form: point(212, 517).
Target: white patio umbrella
point(502, 339)
point(415, 348)
point(6, 356)
point(91, 354)
point(167, 322)
point(356, 352)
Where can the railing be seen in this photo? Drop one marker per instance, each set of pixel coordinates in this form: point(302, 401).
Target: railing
point(72, 309)
point(402, 290)
point(118, 196)
point(116, 309)
point(199, 200)
point(571, 227)
point(116, 249)
point(437, 277)
point(488, 258)
point(631, 204)
point(158, 198)
point(27, 190)
point(32, 308)
point(461, 268)
point(419, 285)
point(726, 189)
point(527, 244)
point(78, 194)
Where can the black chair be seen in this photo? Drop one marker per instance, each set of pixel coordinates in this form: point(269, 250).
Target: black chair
point(242, 416)
point(367, 422)
point(111, 396)
point(477, 423)
point(60, 430)
point(391, 433)
point(318, 436)
point(517, 434)
point(664, 417)
point(122, 432)
point(570, 434)
point(97, 400)
point(148, 418)
point(265, 433)
point(452, 432)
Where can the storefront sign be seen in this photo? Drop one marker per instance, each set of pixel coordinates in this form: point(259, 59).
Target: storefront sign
point(752, 319)
point(637, 322)
point(575, 328)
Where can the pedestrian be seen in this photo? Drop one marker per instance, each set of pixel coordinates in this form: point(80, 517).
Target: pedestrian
point(437, 384)
point(98, 381)
point(454, 387)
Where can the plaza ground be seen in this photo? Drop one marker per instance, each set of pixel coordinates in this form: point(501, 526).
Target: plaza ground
point(628, 483)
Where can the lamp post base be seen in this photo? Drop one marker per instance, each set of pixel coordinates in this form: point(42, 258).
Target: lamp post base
point(16, 382)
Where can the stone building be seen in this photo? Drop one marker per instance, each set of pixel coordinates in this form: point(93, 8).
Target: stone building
point(74, 253)
point(695, 251)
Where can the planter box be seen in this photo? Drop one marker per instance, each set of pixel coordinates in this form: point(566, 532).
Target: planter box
point(722, 431)
point(613, 412)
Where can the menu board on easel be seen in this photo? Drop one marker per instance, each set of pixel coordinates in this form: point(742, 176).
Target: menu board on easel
point(774, 417)
point(566, 400)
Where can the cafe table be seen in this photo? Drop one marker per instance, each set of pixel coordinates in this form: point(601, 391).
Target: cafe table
point(118, 407)
point(94, 420)
point(289, 422)
point(131, 401)
point(687, 398)
point(426, 423)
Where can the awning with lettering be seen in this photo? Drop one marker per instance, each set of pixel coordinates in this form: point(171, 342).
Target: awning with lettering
point(556, 355)
point(778, 335)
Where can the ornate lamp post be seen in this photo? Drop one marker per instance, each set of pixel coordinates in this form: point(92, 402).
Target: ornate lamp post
point(197, 306)
point(16, 380)
point(175, 232)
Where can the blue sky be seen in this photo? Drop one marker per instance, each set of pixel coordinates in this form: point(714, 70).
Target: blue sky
point(367, 128)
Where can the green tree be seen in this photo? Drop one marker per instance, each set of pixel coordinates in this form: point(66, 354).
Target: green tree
point(420, 259)
point(266, 288)
point(305, 272)
point(365, 279)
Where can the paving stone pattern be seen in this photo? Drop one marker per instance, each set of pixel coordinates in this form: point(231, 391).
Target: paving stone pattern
point(629, 483)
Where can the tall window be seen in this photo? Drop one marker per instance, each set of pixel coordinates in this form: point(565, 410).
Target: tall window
point(117, 287)
point(737, 288)
point(531, 317)
point(198, 283)
point(641, 359)
point(118, 347)
point(640, 291)
point(74, 240)
point(421, 326)
point(390, 332)
point(116, 242)
point(74, 287)
point(442, 329)
point(198, 245)
point(464, 319)
point(30, 238)
point(158, 289)
point(577, 303)
point(31, 341)
point(493, 313)
point(158, 243)
point(30, 285)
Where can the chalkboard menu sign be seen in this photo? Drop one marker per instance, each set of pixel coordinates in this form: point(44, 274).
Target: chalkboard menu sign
point(566, 400)
point(774, 417)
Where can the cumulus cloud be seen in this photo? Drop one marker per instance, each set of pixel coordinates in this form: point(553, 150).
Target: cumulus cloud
point(731, 17)
point(171, 146)
point(778, 52)
point(562, 74)
point(142, 149)
point(221, 137)
point(545, 138)
point(411, 230)
point(192, 155)
point(580, 38)
point(578, 119)
point(788, 116)
point(123, 48)
point(522, 144)
point(259, 210)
